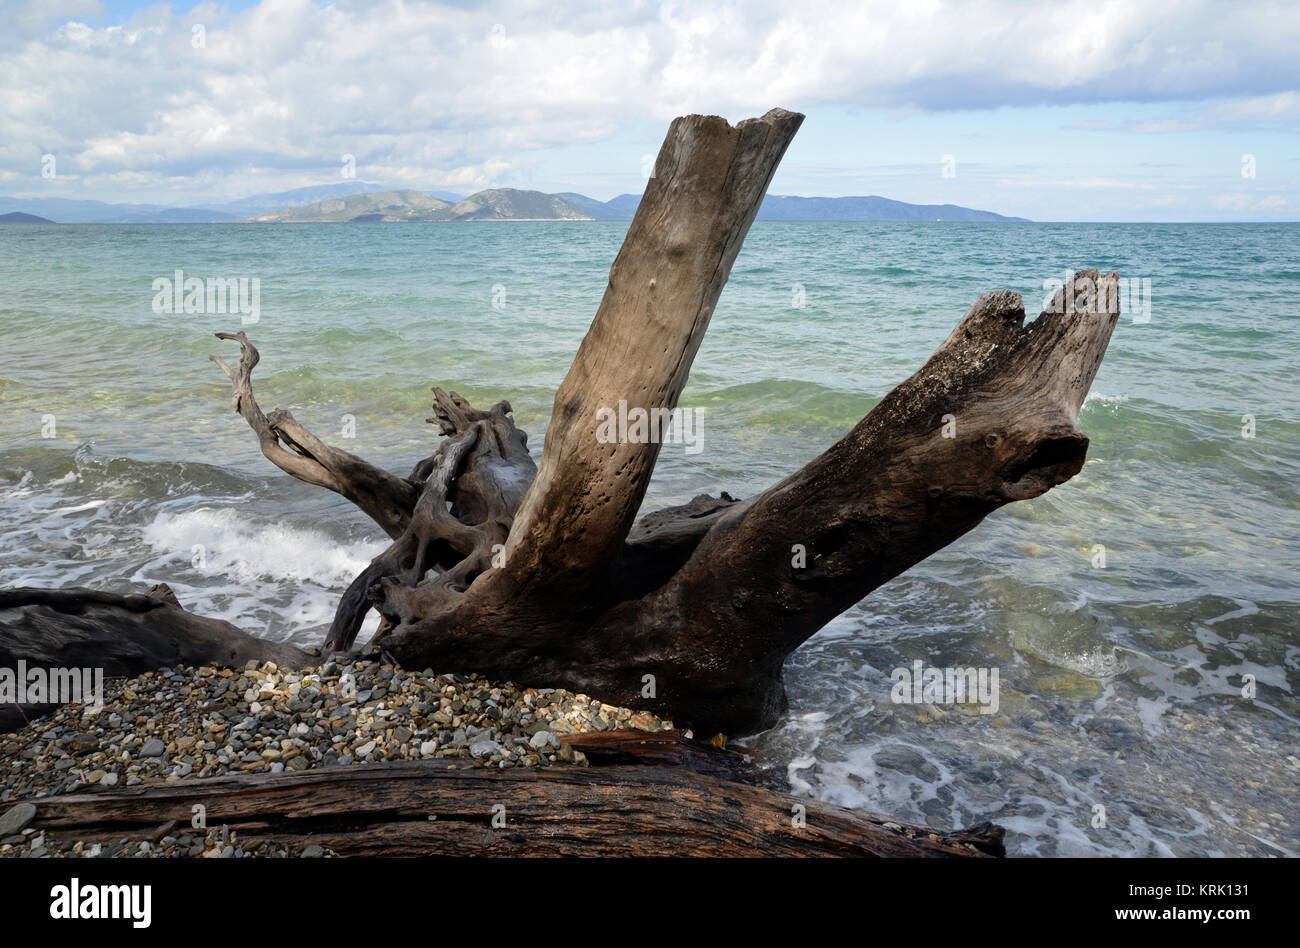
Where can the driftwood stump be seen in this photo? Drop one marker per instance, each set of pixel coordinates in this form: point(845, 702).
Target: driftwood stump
point(541, 574)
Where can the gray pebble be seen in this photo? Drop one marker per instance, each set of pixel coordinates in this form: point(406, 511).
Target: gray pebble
point(16, 819)
point(484, 748)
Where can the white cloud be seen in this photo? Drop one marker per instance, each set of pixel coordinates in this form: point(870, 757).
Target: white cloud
point(439, 95)
point(1248, 202)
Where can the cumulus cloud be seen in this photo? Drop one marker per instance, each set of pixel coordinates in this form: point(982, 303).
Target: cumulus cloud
point(445, 94)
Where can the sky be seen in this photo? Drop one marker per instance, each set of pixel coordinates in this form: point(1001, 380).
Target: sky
point(1098, 110)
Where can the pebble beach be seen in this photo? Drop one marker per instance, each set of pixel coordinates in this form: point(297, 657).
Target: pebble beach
point(187, 723)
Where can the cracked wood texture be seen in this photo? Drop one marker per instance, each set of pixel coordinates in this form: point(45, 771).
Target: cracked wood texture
point(386, 810)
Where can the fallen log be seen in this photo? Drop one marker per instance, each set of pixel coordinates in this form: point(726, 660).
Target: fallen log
point(436, 808)
point(122, 635)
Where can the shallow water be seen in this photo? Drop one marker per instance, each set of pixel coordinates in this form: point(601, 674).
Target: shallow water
point(1120, 686)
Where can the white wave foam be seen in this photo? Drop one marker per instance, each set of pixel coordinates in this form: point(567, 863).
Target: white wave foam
point(22, 489)
point(223, 541)
point(1109, 401)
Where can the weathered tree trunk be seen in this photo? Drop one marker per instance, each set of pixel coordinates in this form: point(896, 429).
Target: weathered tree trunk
point(122, 635)
point(539, 575)
point(432, 808)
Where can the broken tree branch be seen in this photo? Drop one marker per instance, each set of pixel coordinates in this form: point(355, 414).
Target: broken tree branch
point(708, 182)
point(383, 497)
point(991, 418)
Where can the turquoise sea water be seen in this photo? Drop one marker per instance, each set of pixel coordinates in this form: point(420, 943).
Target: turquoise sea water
point(1121, 686)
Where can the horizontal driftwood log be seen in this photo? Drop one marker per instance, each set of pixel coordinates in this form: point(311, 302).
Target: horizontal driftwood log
point(124, 635)
point(435, 808)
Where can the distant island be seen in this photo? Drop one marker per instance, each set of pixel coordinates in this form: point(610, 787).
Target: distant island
point(18, 217)
point(501, 204)
point(780, 207)
point(362, 202)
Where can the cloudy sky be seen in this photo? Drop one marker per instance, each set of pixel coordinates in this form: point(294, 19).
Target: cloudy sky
point(1097, 110)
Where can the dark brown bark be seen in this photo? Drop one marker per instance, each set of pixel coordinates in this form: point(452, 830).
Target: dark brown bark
point(124, 635)
point(890, 493)
point(431, 808)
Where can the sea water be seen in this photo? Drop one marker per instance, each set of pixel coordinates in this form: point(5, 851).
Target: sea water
point(1144, 618)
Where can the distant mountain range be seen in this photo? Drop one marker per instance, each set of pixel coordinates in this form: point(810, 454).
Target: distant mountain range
point(73, 211)
point(602, 210)
point(508, 204)
point(360, 201)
